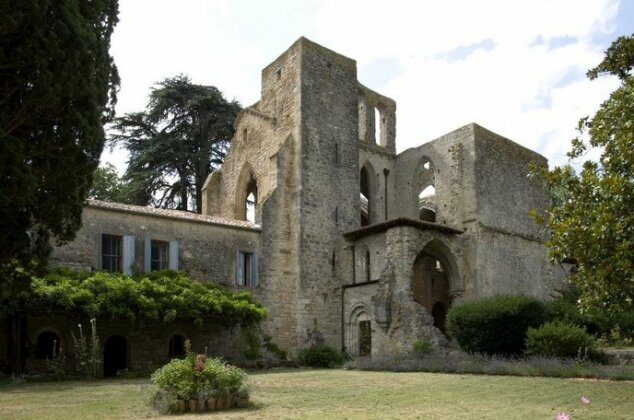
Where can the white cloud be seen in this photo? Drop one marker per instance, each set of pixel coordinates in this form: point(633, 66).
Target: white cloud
point(527, 82)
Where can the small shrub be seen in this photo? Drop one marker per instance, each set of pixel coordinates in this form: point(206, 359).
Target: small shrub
point(495, 325)
point(273, 348)
point(197, 377)
point(558, 339)
point(613, 329)
point(422, 347)
point(320, 356)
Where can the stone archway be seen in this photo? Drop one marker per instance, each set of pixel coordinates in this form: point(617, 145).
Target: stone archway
point(246, 195)
point(431, 282)
point(359, 332)
point(115, 355)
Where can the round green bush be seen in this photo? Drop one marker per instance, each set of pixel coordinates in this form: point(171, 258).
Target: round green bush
point(495, 325)
point(320, 356)
point(422, 347)
point(558, 339)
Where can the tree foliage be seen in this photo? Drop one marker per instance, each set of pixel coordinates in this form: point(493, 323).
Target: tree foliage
point(176, 142)
point(160, 295)
point(107, 186)
point(592, 218)
point(57, 87)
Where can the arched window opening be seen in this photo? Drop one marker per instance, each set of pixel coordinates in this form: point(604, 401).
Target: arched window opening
point(47, 345)
point(252, 200)
point(427, 215)
point(377, 126)
point(365, 198)
point(426, 197)
point(427, 192)
point(177, 346)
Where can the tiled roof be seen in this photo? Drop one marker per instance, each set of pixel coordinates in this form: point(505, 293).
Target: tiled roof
point(401, 221)
point(173, 214)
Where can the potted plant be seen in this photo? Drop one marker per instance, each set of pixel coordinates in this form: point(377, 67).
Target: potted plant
point(200, 383)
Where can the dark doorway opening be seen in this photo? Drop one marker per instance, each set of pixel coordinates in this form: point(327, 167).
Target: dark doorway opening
point(177, 346)
point(365, 338)
point(439, 313)
point(115, 355)
point(47, 345)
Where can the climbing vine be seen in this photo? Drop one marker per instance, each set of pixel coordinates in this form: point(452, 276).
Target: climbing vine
point(161, 295)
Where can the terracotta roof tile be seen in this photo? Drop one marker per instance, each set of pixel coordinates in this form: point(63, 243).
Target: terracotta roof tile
point(173, 214)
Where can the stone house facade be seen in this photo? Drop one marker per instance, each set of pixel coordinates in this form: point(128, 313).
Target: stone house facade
point(349, 243)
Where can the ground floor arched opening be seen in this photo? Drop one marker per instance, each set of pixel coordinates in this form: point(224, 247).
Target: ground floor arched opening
point(431, 279)
point(359, 332)
point(115, 355)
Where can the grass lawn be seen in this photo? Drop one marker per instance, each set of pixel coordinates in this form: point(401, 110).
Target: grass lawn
point(336, 394)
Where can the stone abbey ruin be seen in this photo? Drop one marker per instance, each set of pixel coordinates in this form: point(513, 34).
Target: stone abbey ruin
point(350, 244)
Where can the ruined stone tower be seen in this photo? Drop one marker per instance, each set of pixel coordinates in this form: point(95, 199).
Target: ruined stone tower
point(299, 146)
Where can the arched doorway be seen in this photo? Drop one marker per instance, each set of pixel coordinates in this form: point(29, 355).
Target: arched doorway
point(431, 284)
point(48, 345)
point(115, 355)
point(359, 332)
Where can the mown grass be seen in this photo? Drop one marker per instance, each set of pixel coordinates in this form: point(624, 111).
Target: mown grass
point(338, 394)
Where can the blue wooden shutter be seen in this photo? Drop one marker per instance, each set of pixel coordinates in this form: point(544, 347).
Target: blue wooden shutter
point(240, 268)
point(128, 254)
point(254, 270)
point(147, 255)
point(173, 258)
point(99, 259)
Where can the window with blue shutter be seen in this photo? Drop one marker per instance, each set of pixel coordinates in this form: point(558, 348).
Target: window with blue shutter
point(173, 255)
point(128, 254)
point(246, 269)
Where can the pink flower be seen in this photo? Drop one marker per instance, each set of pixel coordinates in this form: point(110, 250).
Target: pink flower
point(562, 416)
point(200, 362)
point(585, 400)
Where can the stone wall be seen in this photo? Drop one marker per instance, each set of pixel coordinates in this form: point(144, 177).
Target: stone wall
point(207, 246)
point(147, 341)
point(329, 188)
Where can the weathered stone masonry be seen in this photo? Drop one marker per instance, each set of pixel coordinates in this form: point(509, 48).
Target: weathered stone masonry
point(352, 244)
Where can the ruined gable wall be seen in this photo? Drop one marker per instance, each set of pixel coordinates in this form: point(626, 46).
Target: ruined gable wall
point(511, 257)
point(453, 158)
point(271, 147)
point(505, 191)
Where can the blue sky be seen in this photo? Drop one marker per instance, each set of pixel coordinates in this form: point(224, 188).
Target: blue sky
point(515, 67)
